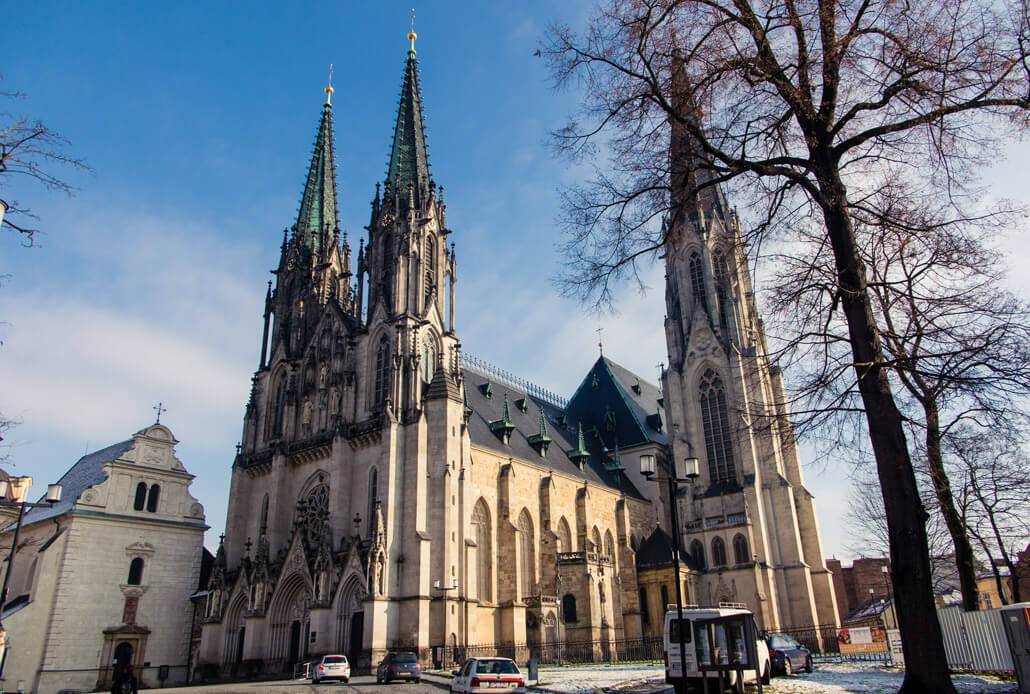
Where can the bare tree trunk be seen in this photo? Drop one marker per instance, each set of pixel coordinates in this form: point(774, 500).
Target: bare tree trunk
point(964, 560)
point(925, 661)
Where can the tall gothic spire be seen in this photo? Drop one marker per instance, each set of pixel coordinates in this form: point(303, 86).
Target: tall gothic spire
point(409, 159)
point(317, 222)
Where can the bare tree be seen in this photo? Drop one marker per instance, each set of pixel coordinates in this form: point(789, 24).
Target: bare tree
point(956, 343)
point(993, 491)
point(30, 149)
point(798, 104)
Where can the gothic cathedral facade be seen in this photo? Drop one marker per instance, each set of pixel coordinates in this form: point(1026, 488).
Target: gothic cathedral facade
point(390, 493)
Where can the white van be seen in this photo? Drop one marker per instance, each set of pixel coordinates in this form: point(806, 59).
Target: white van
point(714, 636)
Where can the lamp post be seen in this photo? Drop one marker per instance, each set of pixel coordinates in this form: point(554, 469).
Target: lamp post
point(887, 582)
point(53, 495)
point(687, 469)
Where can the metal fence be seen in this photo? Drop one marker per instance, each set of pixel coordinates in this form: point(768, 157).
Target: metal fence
point(975, 640)
point(558, 652)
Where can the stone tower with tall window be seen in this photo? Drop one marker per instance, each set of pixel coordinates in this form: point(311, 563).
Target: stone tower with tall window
point(353, 427)
point(748, 520)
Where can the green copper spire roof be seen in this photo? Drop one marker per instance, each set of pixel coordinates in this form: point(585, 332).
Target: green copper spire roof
point(409, 158)
point(317, 220)
point(541, 440)
point(579, 454)
point(503, 426)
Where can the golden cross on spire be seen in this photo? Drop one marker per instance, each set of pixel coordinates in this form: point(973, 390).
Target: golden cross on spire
point(600, 342)
point(329, 87)
point(411, 34)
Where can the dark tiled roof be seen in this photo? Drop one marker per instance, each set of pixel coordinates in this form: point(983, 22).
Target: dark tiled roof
point(645, 403)
point(87, 472)
point(608, 404)
point(527, 423)
point(656, 552)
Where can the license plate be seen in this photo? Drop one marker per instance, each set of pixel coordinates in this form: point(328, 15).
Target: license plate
point(498, 685)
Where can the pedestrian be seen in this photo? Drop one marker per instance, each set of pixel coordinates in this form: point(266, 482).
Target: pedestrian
point(125, 682)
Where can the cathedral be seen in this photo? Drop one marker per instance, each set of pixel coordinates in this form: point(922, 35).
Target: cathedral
point(390, 492)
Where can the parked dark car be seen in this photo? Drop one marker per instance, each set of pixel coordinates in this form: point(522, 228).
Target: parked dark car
point(399, 666)
point(787, 655)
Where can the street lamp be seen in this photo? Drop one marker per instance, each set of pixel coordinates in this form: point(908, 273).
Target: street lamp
point(687, 469)
point(53, 495)
point(887, 581)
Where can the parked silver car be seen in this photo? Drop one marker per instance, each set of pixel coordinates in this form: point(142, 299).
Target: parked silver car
point(330, 667)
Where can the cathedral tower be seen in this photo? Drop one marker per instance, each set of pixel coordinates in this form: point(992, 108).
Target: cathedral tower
point(749, 520)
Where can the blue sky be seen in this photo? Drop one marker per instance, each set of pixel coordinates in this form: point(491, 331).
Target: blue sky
point(199, 121)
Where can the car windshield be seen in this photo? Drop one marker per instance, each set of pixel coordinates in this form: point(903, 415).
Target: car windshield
point(404, 658)
point(496, 667)
point(781, 642)
point(335, 659)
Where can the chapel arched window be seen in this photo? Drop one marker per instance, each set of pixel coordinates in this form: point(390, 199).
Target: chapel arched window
point(716, 422)
point(664, 591)
point(141, 497)
point(152, 498)
point(135, 572)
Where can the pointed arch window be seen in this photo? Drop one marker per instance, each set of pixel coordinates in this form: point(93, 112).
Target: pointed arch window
point(152, 498)
point(716, 422)
point(141, 497)
point(430, 265)
point(645, 616)
point(481, 527)
point(373, 494)
point(664, 591)
point(428, 359)
point(740, 554)
point(697, 550)
point(564, 536)
point(697, 280)
point(264, 513)
point(278, 406)
point(525, 537)
point(382, 381)
point(568, 608)
point(722, 284)
point(718, 552)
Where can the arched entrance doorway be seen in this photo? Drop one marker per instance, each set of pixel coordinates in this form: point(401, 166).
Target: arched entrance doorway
point(289, 620)
point(295, 632)
point(122, 657)
point(357, 635)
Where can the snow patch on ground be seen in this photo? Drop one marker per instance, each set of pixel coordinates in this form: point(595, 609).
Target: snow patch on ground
point(828, 678)
point(837, 678)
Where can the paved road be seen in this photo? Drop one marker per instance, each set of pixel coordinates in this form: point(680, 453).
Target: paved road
point(360, 684)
